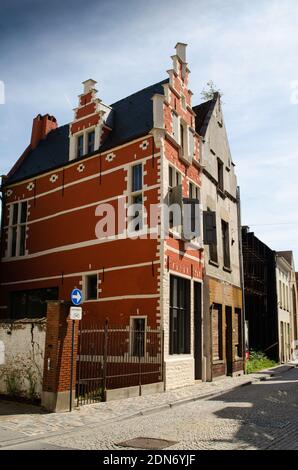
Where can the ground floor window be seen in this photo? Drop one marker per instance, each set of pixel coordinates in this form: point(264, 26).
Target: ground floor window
point(32, 303)
point(179, 315)
point(138, 332)
point(217, 343)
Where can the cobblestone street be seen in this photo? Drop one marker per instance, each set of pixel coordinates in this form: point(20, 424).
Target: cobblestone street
point(229, 414)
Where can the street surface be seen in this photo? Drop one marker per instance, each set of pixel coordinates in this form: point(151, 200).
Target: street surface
point(261, 415)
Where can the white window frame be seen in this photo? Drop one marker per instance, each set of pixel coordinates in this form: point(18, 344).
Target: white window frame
point(131, 321)
point(18, 225)
point(133, 194)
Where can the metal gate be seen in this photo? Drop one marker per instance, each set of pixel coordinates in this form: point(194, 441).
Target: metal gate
point(111, 357)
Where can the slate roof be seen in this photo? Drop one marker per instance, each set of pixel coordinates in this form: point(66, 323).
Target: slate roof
point(203, 113)
point(132, 117)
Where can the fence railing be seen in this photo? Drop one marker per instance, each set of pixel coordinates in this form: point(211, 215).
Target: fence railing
point(111, 357)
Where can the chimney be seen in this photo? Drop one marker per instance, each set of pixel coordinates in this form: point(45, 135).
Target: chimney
point(89, 85)
point(41, 126)
point(181, 51)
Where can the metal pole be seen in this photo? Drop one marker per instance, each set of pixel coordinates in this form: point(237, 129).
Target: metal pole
point(71, 364)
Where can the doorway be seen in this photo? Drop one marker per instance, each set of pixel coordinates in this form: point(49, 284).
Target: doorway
point(229, 341)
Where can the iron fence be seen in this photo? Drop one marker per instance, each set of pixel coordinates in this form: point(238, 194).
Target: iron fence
point(111, 357)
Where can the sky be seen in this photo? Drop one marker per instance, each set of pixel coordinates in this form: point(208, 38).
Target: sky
point(248, 49)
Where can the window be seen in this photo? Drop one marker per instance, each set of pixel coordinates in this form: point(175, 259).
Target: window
point(175, 120)
point(237, 330)
point(137, 177)
point(191, 143)
point(17, 229)
point(174, 182)
point(225, 244)
point(182, 138)
point(179, 315)
point(137, 194)
point(193, 191)
point(217, 350)
point(91, 141)
point(138, 213)
point(32, 303)
point(138, 331)
point(80, 146)
point(220, 175)
point(210, 237)
point(91, 287)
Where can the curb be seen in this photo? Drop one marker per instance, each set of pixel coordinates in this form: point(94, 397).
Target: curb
point(146, 412)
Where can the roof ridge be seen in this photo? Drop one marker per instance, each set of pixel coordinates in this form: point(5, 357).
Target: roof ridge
point(139, 91)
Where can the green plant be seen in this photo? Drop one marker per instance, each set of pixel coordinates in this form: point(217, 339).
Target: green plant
point(258, 361)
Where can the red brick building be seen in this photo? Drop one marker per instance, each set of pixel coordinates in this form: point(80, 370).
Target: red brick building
point(142, 149)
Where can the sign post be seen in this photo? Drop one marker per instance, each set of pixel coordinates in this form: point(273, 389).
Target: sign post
point(75, 314)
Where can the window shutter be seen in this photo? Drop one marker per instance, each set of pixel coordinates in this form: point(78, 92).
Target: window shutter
point(209, 228)
point(175, 127)
point(191, 229)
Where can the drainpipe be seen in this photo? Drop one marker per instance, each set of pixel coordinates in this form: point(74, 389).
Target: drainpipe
point(243, 315)
point(2, 197)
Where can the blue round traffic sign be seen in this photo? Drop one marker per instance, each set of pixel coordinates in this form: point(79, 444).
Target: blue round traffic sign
point(76, 296)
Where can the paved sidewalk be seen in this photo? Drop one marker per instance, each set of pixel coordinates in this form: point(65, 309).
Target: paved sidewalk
point(20, 423)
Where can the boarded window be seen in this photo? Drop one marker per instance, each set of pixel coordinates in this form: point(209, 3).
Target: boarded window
point(220, 174)
point(217, 353)
point(237, 332)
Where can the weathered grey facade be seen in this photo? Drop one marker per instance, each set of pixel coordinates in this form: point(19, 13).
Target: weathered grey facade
point(223, 311)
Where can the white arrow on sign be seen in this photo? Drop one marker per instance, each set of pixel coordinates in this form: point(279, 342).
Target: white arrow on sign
point(77, 296)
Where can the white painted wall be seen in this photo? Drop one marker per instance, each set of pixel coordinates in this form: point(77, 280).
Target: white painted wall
point(23, 342)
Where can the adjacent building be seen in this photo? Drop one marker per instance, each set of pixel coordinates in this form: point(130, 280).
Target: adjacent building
point(261, 311)
point(287, 305)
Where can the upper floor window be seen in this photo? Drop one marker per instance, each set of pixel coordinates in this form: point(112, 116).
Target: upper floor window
point(80, 146)
point(17, 229)
point(220, 174)
point(182, 137)
point(137, 177)
point(193, 191)
point(91, 141)
point(174, 177)
point(137, 195)
point(226, 244)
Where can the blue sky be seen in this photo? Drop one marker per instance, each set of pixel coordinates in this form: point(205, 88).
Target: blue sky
point(249, 49)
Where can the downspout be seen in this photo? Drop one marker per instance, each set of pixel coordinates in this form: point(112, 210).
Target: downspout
point(243, 313)
point(2, 197)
